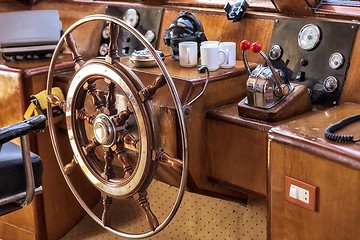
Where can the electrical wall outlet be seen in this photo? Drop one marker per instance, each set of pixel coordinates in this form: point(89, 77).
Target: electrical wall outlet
point(300, 193)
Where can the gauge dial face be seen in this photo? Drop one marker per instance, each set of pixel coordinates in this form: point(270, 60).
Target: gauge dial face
point(103, 50)
point(150, 36)
point(309, 37)
point(106, 32)
point(336, 60)
point(131, 17)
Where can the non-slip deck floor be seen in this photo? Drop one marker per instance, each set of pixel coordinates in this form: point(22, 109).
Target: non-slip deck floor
point(199, 217)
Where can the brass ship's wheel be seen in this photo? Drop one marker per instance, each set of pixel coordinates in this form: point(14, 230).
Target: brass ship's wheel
point(112, 128)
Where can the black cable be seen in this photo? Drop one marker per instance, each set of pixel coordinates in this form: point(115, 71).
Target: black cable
point(330, 131)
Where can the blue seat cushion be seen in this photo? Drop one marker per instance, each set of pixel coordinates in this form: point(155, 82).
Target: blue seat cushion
point(12, 173)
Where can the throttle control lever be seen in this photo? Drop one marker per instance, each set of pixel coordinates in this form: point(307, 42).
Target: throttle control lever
point(266, 85)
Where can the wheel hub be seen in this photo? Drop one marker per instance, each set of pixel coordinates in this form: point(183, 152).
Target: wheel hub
point(104, 130)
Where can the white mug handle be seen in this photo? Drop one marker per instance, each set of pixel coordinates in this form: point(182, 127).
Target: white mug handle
point(188, 55)
point(225, 58)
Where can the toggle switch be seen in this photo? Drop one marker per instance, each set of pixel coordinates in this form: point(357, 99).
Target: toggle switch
point(300, 76)
point(293, 191)
point(299, 193)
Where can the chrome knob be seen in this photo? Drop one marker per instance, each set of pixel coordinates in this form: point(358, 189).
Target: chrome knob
point(330, 84)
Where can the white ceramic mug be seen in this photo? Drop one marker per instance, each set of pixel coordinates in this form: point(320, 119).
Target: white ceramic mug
point(230, 54)
point(188, 54)
point(209, 42)
point(211, 55)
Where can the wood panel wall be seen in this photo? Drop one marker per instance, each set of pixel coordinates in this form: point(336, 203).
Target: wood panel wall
point(256, 26)
point(337, 205)
point(352, 87)
point(217, 27)
point(11, 5)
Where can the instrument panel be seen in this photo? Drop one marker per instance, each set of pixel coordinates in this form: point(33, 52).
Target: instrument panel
point(313, 53)
point(146, 20)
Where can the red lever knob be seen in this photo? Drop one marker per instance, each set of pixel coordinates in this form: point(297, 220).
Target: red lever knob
point(256, 47)
point(244, 45)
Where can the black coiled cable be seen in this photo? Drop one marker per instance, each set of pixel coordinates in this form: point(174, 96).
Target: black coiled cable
point(330, 131)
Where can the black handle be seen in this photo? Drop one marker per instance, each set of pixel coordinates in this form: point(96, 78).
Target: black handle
point(32, 124)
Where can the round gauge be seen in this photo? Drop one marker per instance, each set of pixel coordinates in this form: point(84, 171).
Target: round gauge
point(150, 36)
point(106, 32)
point(275, 52)
point(336, 60)
point(103, 50)
point(131, 17)
point(309, 36)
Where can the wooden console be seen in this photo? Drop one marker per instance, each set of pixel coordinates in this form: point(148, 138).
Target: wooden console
point(298, 149)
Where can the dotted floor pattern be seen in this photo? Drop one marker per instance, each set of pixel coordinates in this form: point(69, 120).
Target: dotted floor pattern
point(199, 217)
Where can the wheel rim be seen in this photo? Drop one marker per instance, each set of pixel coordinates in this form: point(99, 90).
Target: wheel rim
point(103, 124)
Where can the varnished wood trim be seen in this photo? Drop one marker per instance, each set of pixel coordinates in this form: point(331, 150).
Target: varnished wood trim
point(294, 7)
point(268, 194)
point(230, 73)
point(9, 69)
point(317, 146)
point(235, 187)
point(44, 69)
point(155, 2)
point(252, 14)
point(40, 222)
point(313, 3)
point(333, 11)
point(242, 198)
point(259, 5)
point(218, 115)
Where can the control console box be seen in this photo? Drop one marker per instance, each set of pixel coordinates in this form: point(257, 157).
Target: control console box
point(315, 54)
point(29, 34)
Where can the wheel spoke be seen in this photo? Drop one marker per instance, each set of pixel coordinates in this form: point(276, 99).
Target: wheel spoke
point(69, 168)
point(165, 159)
point(122, 117)
point(98, 103)
point(128, 138)
point(90, 147)
point(111, 99)
point(149, 91)
point(106, 215)
point(141, 198)
point(70, 42)
point(82, 114)
point(114, 48)
point(108, 168)
point(123, 158)
point(53, 99)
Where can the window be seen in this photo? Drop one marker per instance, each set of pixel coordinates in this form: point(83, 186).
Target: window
point(342, 8)
point(263, 4)
point(342, 2)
